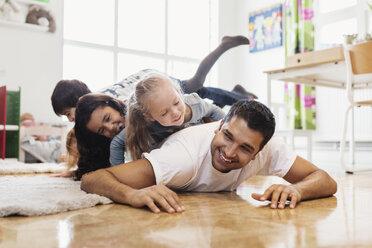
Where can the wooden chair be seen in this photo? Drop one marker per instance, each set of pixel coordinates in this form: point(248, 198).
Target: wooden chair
point(358, 60)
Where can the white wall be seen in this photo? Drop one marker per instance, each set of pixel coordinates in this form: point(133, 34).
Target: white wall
point(239, 65)
point(33, 60)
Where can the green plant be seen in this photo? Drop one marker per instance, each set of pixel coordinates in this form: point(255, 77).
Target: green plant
point(369, 2)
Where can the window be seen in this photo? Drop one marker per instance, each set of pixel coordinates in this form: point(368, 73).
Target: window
point(333, 33)
point(326, 6)
point(116, 38)
point(335, 18)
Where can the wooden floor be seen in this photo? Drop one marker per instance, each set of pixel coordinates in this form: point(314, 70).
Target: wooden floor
point(210, 220)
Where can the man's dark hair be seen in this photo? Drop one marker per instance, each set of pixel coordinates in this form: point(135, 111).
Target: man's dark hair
point(257, 115)
point(66, 94)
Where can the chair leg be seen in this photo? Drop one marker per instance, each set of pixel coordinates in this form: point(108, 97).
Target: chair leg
point(343, 140)
point(351, 145)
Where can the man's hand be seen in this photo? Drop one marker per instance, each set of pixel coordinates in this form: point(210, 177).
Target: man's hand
point(278, 194)
point(154, 197)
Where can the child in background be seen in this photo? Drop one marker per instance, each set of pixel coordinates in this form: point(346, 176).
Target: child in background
point(72, 150)
point(72, 156)
point(28, 120)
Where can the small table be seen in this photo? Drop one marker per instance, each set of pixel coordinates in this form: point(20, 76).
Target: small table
point(318, 68)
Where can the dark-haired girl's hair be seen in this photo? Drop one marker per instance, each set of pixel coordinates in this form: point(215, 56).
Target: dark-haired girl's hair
point(94, 149)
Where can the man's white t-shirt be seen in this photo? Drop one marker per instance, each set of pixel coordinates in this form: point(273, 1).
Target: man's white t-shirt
point(184, 162)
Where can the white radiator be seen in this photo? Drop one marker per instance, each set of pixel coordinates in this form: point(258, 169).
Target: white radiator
point(331, 106)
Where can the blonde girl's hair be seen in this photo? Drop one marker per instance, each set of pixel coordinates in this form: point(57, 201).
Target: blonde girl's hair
point(72, 155)
point(138, 138)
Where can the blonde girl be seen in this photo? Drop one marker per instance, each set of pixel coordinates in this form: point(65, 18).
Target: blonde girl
point(157, 109)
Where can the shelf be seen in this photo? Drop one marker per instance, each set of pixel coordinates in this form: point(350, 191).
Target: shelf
point(10, 127)
point(24, 7)
point(24, 25)
point(32, 2)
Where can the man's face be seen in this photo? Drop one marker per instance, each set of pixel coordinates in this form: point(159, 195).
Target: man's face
point(69, 113)
point(234, 145)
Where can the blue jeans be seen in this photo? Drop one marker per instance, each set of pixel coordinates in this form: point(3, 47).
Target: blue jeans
point(219, 96)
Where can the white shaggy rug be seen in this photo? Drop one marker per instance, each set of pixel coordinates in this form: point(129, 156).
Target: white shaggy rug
point(41, 195)
point(15, 167)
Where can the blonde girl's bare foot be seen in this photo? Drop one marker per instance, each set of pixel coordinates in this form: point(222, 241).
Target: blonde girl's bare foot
point(233, 41)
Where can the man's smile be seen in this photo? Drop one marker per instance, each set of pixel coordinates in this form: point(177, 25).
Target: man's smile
point(223, 158)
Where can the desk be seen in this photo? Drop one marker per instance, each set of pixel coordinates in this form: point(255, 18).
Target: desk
point(318, 68)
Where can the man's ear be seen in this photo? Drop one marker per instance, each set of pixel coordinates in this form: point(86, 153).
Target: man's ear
point(254, 156)
point(219, 127)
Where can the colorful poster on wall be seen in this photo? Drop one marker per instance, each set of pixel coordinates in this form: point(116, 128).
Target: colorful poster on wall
point(265, 28)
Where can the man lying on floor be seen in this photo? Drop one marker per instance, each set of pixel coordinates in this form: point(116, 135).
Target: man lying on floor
point(210, 158)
